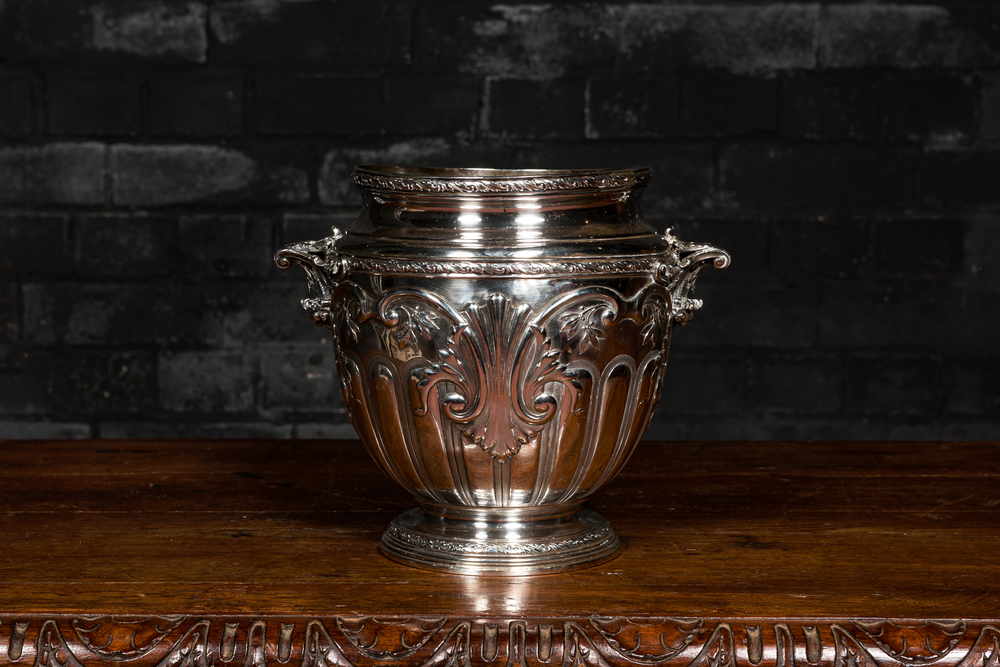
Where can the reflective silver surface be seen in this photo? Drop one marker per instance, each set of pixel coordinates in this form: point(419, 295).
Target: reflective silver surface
point(501, 338)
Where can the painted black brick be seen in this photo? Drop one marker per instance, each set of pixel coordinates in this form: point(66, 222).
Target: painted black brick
point(745, 38)
point(291, 103)
point(982, 252)
point(646, 107)
point(106, 382)
point(273, 312)
point(176, 429)
point(196, 106)
point(830, 107)
point(231, 313)
point(93, 105)
point(535, 109)
point(945, 105)
point(335, 426)
point(110, 31)
point(300, 378)
point(35, 244)
point(978, 323)
point(917, 248)
point(805, 250)
point(764, 317)
point(124, 245)
point(684, 179)
point(354, 36)
point(146, 175)
point(894, 385)
point(973, 386)
point(17, 111)
point(10, 316)
point(22, 428)
point(863, 106)
point(163, 175)
point(423, 105)
point(225, 245)
point(960, 179)
point(682, 170)
point(714, 427)
point(24, 386)
point(816, 379)
point(893, 314)
point(990, 120)
point(746, 240)
point(838, 178)
point(216, 381)
point(53, 174)
point(908, 36)
point(513, 41)
point(284, 173)
point(713, 105)
point(704, 383)
point(97, 314)
point(783, 302)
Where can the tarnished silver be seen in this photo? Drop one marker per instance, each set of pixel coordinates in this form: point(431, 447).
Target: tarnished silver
point(501, 338)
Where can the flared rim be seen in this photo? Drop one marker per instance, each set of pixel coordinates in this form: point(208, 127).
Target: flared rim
point(446, 180)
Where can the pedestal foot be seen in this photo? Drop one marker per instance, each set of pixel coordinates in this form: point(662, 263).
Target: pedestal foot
point(500, 544)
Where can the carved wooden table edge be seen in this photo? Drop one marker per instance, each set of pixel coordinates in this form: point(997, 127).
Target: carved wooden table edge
point(365, 641)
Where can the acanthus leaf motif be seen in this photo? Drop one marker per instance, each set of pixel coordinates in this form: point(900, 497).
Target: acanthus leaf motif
point(499, 362)
point(51, 649)
point(413, 322)
point(914, 643)
point(343, 311)
point(657, 322)
point(319, 649)
point(123, 638)
point(850, 652)
point(719, 650)
point(991, 657)
point(586, 323)
point(648, 641)
point(391, 638)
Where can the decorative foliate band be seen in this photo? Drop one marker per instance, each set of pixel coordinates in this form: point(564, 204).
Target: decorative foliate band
point(555, 182)
point(594, 267)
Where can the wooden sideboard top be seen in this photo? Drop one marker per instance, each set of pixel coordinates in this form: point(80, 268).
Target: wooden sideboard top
point(197, 553)
point(710, 529)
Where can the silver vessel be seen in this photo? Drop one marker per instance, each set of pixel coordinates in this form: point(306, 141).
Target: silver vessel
point(501, 339)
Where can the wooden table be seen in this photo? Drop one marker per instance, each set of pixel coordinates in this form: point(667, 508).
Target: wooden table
point(253, 553)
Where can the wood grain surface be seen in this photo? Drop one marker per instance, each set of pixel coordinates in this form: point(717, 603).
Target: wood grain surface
point(256, 552)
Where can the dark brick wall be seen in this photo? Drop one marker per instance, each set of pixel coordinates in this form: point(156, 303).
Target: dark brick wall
point(155, 153)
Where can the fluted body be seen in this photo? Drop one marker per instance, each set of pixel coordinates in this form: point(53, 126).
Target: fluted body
point(501, 339)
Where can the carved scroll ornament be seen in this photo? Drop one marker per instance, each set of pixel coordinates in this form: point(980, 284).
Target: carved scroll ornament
point(440, 641)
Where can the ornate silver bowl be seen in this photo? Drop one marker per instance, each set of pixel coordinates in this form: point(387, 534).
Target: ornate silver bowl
point(501, 338)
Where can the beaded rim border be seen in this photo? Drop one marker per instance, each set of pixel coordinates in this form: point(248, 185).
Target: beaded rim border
point(553, 182)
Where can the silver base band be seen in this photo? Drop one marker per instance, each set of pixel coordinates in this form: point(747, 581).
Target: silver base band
point(500, 546)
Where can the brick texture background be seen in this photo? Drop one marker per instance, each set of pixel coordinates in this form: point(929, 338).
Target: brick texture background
point(155, 153)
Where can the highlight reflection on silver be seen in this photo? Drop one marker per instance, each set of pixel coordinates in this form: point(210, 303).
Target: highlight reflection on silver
point(501, 339)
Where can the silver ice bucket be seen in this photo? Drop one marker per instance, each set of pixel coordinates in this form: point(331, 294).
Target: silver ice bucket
point(501, 339)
